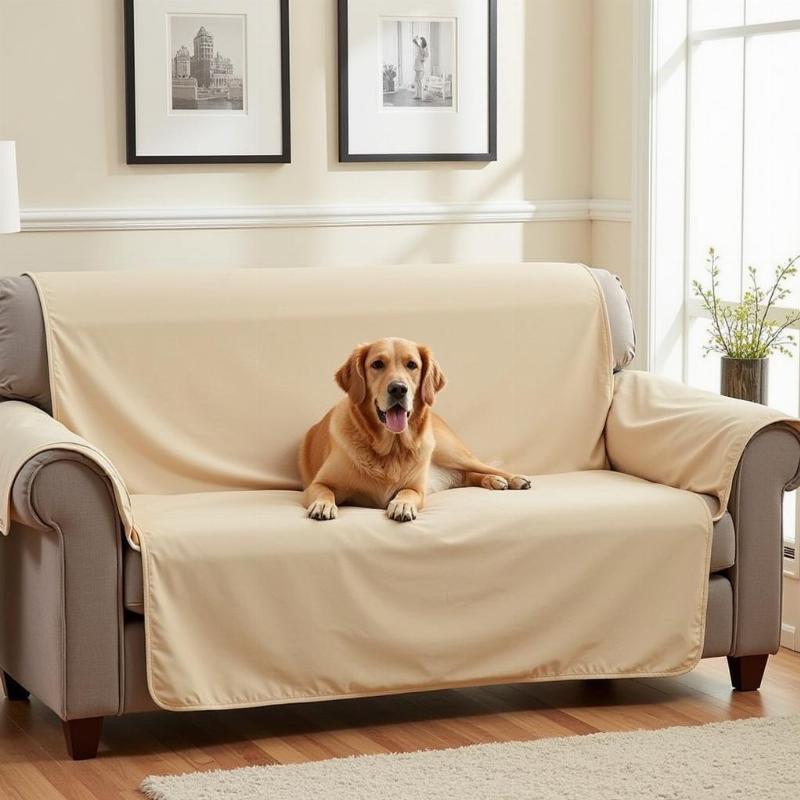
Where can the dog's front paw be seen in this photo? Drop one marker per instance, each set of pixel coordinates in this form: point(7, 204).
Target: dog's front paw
point(520, 482)
point(401, 512)
point(322, 511)
point(496, 482)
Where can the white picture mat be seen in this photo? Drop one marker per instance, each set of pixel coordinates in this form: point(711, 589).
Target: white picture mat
point(372, 131)
point(159, 132)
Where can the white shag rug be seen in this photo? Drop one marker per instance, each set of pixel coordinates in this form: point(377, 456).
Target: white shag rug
point(750, 759)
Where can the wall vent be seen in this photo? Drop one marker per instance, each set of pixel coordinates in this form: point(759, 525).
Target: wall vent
point(791, 563)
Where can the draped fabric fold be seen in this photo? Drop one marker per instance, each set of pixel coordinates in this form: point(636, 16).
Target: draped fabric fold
point(26, 431)
point(670, 433)
point(207, 381)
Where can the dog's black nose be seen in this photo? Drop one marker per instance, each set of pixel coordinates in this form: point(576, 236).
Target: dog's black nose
point(398, 390)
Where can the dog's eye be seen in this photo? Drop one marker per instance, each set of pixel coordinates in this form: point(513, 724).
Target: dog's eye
point(378, 364)
point(412, 365)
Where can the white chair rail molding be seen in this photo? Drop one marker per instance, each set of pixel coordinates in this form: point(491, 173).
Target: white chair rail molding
point(280, 216)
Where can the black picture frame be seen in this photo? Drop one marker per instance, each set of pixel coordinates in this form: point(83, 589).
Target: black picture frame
point(283, 157)
point(345, 156)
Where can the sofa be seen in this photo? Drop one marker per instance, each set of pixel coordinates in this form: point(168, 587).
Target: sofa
point(72, 632)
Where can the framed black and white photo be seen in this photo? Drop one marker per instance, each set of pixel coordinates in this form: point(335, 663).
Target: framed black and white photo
point(417, 80)
point(207, 81)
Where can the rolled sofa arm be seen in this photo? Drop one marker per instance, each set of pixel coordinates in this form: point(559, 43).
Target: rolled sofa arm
point(61, 588)
point(768, 466)
point(60, 576)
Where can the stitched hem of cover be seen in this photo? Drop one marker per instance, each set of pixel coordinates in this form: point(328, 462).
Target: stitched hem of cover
point(434, 687)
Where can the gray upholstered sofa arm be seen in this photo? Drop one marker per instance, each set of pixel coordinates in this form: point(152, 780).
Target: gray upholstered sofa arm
point(30, 506)
point(769, 465)
point(60, 587)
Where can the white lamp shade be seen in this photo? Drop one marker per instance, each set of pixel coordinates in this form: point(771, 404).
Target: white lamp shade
point(9, 193)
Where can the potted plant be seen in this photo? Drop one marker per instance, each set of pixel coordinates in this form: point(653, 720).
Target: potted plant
point(744, 333)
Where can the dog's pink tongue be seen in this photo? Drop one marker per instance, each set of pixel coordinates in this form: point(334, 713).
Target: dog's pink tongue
point(396, 419)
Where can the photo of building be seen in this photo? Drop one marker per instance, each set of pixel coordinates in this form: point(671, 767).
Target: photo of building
point(203, 77)
point(182, 64)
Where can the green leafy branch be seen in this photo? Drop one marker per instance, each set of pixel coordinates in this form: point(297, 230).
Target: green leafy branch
point(745, 330)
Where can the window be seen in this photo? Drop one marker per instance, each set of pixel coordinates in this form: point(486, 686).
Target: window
point(724, 171)
point(743, 161)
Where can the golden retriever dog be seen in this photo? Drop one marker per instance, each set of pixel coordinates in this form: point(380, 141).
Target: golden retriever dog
point(382, 446)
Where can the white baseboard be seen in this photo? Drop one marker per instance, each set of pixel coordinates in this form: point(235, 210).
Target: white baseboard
point(275, 216)
point(789, 636)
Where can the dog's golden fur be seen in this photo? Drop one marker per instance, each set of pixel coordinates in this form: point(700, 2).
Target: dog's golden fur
point(353, 456)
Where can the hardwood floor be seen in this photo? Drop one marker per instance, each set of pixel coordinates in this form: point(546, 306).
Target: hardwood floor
point(34, 764)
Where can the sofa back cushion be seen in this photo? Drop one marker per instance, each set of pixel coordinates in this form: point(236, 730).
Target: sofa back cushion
point(23, 350)
point(620, 318)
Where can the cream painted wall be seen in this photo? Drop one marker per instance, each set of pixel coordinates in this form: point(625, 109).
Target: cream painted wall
point(612, 61)
point(283, 247)
point(612, 57)
point(611, 248)
point(67, 116)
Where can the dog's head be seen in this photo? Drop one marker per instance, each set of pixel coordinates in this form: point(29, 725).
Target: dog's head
point(389, 378)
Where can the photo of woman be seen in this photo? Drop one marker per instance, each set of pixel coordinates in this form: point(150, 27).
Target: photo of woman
point(417, 81)
point(419, 56)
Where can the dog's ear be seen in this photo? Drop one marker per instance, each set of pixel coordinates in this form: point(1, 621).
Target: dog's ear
point(350, 375)
point(433, 379)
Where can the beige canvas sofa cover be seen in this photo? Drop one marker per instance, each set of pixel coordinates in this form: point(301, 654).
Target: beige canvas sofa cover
point(506, 574)
point(303, 611)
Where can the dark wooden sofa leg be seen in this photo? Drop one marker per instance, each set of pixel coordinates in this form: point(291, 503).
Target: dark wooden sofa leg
point(747, 671)
point(12, 689)
point(82, 737)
